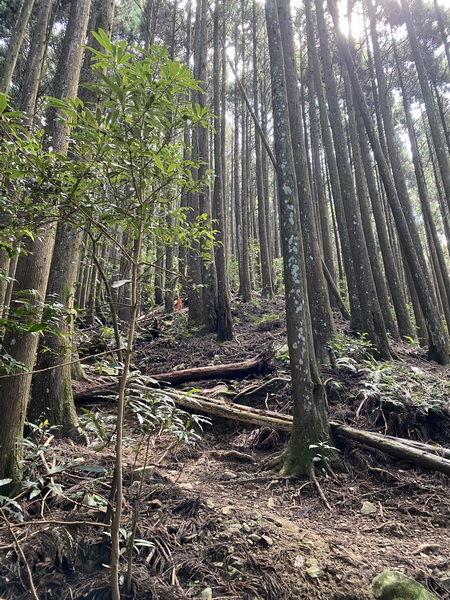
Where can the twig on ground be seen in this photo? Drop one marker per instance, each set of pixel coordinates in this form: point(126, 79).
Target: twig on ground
point(261, 479)
point(55, 522)
point(320, 491)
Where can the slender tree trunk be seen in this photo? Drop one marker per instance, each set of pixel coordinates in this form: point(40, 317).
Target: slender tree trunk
point(224, 320)
point(33, 268)
point(195, 281)
point(319, 302)
point(245, 284)
point(436, 131)
point(391, 271)
point(35, 59)
point(349, 268)
point(309, 416)
point(438, 349)
point(317, 178)
point(432, 234)
point(372, 318)
point(361, 187)
point(15, 42)
point(264, 254)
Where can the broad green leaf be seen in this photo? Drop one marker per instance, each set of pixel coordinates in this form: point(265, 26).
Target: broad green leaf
point(3, 102)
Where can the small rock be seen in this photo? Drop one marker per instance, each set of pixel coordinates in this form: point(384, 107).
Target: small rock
point(246, 528)
point(266, 541)
point(227, 509)
point(299, 561)
point(271, 502)
point(186, 485)
point(206, 594)
point(255, 538)
point(393, 585)
point(143, 473)
point(238, 562)
point(368, 508)
point(314, 572)
point(313, 569)
point(227, 476)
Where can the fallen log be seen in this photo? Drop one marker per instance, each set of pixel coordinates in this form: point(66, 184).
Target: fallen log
point(393, 448)
point(260, 365)
point(396, 447)
point(274, 420)
point(237, 412)
point(439, 450)
point(254, 366)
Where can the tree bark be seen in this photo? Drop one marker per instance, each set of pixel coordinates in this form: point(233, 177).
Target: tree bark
point(349, 267)
point(309, 416)
point(319, 302)
point(372, 318)
point(51, 397)
point(440, 146)
point(33, 268)
point(13, 49)
point(264, 253)
point(224, 319)
point(438, 341)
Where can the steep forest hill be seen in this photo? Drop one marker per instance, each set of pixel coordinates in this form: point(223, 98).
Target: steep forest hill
point(206, 517)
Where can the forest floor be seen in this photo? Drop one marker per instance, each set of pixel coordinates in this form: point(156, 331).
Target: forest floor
point(209, 521)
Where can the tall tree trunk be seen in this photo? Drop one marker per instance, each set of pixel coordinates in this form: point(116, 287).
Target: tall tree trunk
point(52, 396)
point(436, 131)
point(35, 59)
point(390, 267)
point(33, 268)
point(195, 295)
point(309, 416)
point(29, 89)
point(319, 302)
point(264, 254)
point(317, 178)
point(361, 188)
point(372, 318)
point(224, 320)
point(349, 268)
point(438, 348)
point(432, 234)
point(15, 42)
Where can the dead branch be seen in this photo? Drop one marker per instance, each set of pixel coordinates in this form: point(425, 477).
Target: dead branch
point(254, 366)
